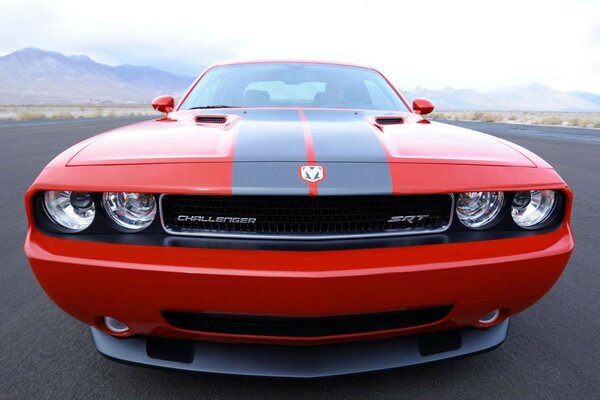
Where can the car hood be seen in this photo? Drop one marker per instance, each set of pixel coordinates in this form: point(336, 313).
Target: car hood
point(291, 135)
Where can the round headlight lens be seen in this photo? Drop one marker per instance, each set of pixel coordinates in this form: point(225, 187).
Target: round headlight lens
point(132, 211)
point(74, 211)
point(531, 209)
point(477, 210)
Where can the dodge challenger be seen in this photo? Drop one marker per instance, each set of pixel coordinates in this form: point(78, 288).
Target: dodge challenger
point(296, 219)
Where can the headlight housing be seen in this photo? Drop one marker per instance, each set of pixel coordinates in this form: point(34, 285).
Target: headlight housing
point(532, 209)
point(131, 211)
point(70, 211)
point(479, 210)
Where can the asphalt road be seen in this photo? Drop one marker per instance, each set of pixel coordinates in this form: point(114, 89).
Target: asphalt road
point(553, 349)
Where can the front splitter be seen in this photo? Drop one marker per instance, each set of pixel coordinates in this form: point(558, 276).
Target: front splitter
point(302, 361)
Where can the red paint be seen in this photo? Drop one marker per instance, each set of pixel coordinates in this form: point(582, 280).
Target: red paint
point(189, 142)
point(423, 106)
point(133, 283)
point(215, 178)
point(164, 104)
point(313, 187)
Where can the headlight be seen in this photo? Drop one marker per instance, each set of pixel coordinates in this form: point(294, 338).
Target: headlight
point(74, 211)
point(530, 210)
point(132, 211)
point(477, 210)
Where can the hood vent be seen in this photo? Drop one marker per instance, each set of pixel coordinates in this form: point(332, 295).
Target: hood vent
point(210, 119)
point(389, 120)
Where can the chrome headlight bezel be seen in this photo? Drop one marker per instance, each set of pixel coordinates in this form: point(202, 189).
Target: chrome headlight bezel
point(69, 211)
point(486, 209)
point(125, 215)
point(543, 207)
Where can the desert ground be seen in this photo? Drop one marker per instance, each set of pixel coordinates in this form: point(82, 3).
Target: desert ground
point(570, 119)
point(42, 112)
point(38, 112)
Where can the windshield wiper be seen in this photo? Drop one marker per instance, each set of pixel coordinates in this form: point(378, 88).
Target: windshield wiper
point(215, 106)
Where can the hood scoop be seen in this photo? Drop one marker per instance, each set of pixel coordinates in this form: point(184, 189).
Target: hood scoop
point(216, 120)
point(389, 120)
point(211, 119)
point(380, 122)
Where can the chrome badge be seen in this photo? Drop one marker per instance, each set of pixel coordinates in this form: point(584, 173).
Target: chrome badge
point(312, 173)
point(411, 219)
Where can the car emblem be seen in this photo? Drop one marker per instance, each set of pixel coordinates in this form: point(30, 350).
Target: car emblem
point(312, 173)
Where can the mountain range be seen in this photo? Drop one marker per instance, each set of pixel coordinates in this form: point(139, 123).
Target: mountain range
point(34, 76)
point(534, 97)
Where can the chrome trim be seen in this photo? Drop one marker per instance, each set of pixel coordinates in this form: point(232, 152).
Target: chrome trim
point(110, 324)
point(489, 320)
point(300, 237)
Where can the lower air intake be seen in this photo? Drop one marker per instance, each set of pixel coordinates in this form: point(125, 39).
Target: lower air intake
point(304, 326)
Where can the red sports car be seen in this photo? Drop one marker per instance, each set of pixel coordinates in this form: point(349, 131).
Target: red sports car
point(296, 219)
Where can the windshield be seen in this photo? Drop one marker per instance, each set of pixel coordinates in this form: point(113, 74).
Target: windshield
point(293, 85)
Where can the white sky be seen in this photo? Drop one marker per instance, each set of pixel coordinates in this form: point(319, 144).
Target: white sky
point(464, 44)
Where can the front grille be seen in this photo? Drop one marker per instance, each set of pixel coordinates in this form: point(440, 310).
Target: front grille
point(306, 217)
point(261, 325)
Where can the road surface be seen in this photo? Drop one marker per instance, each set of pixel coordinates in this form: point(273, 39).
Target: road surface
point(553, 349)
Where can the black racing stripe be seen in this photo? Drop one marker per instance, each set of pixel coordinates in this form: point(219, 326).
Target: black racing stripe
point(353, 156)
point(268, 151)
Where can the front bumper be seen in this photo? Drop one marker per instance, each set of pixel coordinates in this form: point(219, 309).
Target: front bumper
point(132, 283)
point(299, 362)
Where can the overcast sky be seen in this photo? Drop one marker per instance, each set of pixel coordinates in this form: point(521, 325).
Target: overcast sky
point(463, 44)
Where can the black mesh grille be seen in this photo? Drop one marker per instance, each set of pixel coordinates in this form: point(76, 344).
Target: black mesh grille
point(304, 326)
point(306, 216)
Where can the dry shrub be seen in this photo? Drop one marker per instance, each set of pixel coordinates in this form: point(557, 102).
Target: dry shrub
point(551, 120)
point(587, 122)
point(27, 115)
point(61, 115)
point(490, 117)
point(476, 116)
point(533, 121)
point(590, 120)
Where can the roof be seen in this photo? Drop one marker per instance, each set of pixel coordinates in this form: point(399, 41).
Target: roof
point(300, 61)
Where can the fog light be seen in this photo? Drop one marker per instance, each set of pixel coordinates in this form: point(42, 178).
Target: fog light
point(115, 325)
point(490, 317)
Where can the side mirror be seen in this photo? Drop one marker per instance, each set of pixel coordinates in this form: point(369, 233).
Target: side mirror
point(164, 104)
point(422, 106)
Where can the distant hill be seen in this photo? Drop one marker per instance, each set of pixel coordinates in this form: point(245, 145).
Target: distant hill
point(590, 97)
point(34, 76)
point(534, 97)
